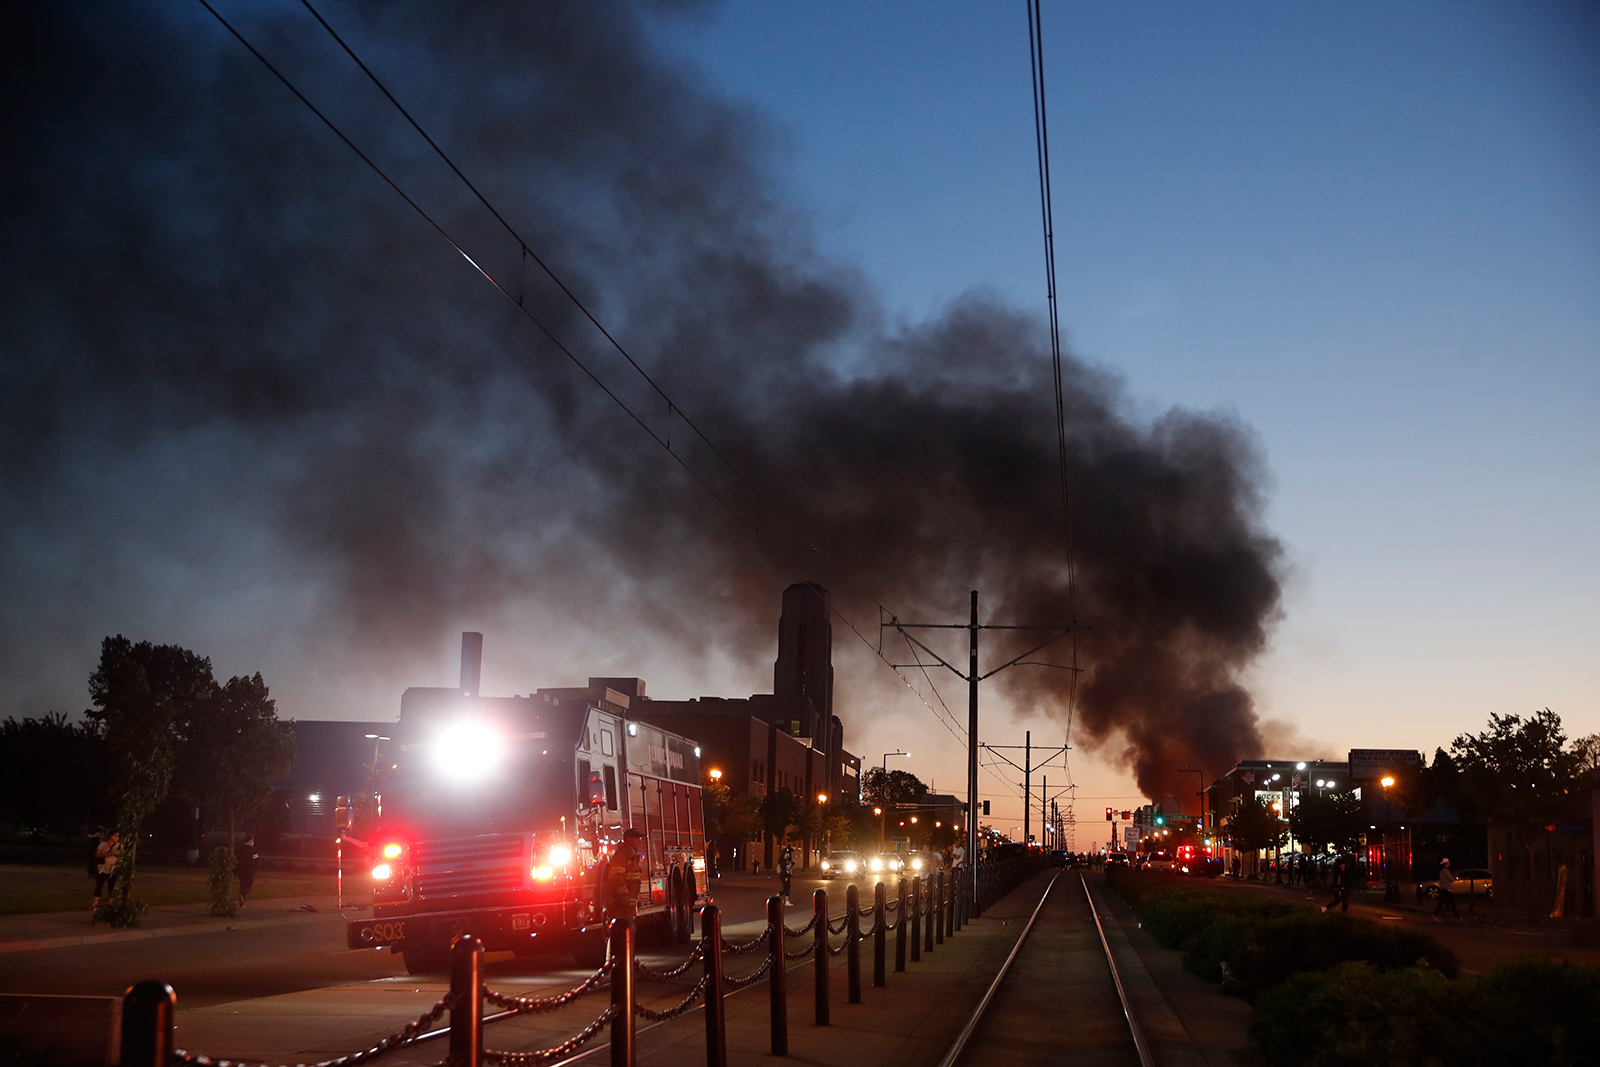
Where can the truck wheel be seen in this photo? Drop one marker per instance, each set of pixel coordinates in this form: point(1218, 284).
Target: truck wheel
point(426, 960)
point(589, 949)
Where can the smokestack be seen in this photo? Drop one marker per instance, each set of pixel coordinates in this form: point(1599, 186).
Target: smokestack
point(471, 663)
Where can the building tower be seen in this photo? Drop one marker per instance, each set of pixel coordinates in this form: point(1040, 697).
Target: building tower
point(803, 672)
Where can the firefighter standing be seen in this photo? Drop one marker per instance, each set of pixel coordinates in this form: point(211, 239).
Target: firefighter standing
point(623, 870)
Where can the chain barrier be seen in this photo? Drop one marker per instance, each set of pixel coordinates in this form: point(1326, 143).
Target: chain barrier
point(561, 1051)
point(835, 951)
point(844, 924)
point(803, 931)
point(525, 1005)
point(749, 946)
point(676, 1010)
point(802, 954)
point(750, 979)
point(640, 969)
point(399, 1039)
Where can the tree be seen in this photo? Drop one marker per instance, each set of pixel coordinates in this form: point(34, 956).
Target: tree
point(1255, 826)
point(137, 720)
point(235, 748)
point(1321, 820)
point(779, 811)
point(53, 774)
point(888, 788)
point(1520, 775)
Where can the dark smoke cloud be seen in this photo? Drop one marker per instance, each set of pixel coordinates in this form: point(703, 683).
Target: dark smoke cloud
point(238, 370)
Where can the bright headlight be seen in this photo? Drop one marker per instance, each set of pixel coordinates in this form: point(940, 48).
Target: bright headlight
point(543, 874)
point(560, 856)
point(381, 872)
point(467, 752)
point(916, 865)
point(877, 865)
point(849, 865)
point(825, 864)
point(392, 852)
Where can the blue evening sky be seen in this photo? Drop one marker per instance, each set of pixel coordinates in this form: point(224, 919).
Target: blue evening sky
point(1371, 231)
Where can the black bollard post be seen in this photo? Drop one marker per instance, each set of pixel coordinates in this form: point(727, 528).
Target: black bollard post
point(819, 952)
point(852, 942)
point(622, 1029)
point(880, 911)
point(937, 891)
point(930, 919)
point(148, 1011)
point(775, 985)
point(916, 920)
point(957, 880)
point(951, 885)
point(902, 915)
point(466, 1005)
point(716, 1019)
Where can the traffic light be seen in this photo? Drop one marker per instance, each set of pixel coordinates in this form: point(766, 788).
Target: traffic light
point(1109, 815)
point(1161, 820)
point(986, 807)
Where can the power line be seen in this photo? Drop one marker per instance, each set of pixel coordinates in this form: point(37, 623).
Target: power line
point(1041, 133)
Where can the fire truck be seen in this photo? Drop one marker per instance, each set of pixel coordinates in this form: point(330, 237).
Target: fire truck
point(498, 812)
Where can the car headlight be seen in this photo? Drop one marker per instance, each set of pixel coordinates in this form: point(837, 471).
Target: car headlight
point(849, 865)
point(382, 872)
point(560, 856)
point(877, 865)
point(825, 864)
point(916, 865)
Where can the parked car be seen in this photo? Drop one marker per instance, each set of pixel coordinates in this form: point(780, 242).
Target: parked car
point(844, 864)
point(1470, 881)
point(1158, 861)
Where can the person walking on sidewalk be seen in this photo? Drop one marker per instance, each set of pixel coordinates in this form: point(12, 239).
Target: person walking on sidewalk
point(1342, 874)
point(1447, 889)
point(786, 873)
point(244, 866)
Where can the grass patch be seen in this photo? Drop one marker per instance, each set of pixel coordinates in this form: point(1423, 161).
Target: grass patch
point(27, 889)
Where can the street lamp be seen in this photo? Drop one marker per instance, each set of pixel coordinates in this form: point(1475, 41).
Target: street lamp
point(716, 775)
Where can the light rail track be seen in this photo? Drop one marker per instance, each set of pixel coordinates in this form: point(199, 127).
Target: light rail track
point(1058, 989)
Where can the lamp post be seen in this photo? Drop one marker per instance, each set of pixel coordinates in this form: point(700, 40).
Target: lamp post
point(1391, 887)
point(883, 783)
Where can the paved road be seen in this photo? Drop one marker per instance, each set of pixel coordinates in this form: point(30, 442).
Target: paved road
point(275, 949)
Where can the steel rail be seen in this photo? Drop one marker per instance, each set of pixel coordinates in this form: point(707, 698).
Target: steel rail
point(1139, 1043)
point(960, 1044)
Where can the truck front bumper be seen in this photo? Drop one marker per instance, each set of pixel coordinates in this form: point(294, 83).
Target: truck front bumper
point(518, 927)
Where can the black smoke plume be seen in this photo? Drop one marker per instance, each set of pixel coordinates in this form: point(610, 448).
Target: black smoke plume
point(243, 382)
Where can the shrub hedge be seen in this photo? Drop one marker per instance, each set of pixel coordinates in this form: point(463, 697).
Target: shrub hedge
point(1335, 991)
point(1529, 1011)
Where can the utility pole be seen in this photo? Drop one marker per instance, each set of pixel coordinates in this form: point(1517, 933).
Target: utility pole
point(972, 678)
point(1027, 770)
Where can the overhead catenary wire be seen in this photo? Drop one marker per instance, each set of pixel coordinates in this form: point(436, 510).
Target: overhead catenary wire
point(1041, 131)
point(519, 302)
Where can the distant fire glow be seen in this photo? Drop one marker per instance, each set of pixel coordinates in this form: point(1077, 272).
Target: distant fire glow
point(468, 752)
